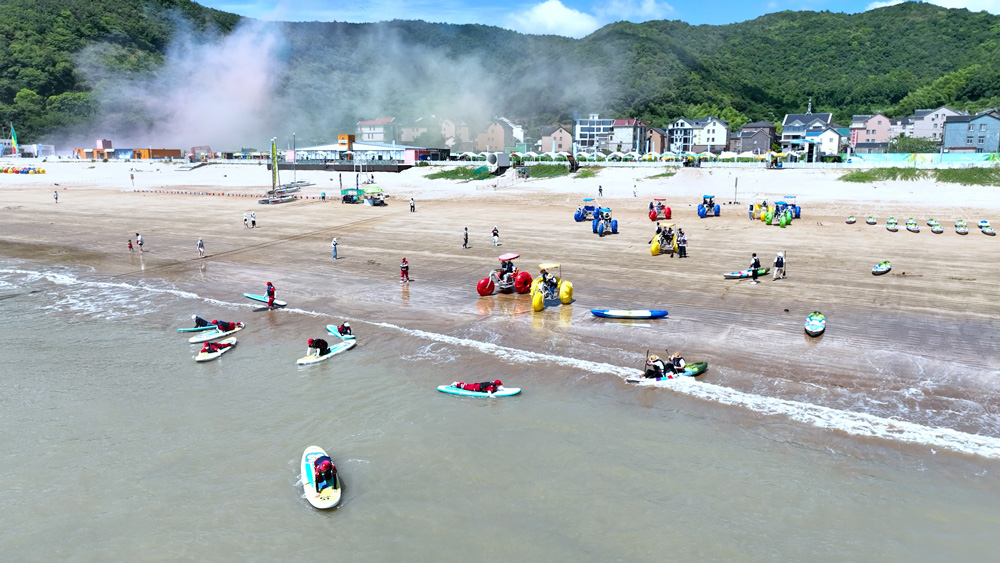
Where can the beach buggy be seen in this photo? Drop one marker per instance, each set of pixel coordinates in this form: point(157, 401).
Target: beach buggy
point(603, 224)
point(506, 278)
point(586, 211)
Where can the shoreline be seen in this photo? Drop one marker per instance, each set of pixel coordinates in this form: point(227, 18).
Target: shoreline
point(887, 335)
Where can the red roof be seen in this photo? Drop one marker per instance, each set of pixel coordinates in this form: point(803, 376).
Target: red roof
point(628, 123)
point(379, 121)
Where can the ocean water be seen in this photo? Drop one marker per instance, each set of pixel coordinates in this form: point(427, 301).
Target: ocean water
point(117, 445)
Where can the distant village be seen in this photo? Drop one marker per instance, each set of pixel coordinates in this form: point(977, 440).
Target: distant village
point(808, 137)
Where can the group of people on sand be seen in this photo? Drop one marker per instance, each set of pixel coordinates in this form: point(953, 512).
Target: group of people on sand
point(656, 368)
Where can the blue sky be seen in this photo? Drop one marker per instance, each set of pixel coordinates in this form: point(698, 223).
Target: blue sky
point(571, 18)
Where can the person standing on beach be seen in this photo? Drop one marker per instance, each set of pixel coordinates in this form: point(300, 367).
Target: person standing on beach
point(138, 240)
point(496, 236)
point(270, 295)
point(340, 178)
point(334, 246)
point(130, 249)
point(55, 196)
point(404, 271)
point(754, 266)
point(750, 212)
point(253, 219)
point(779, 266)
point(201, 248)
point(682, 244)
point(246, 221)
point(600, 191)
point(465, 238)
point(412, 206)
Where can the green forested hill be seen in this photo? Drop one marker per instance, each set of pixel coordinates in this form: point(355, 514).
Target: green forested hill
point(61, 62)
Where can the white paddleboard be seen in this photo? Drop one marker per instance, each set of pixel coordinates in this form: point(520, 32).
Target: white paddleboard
point(215, 334)
point(334, 350)
point(328, 497)
point(209, 356)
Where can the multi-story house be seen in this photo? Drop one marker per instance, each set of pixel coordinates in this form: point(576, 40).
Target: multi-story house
point(870, 129)
point(497, 137)
point(628, 135)
point(795, 125)
point(593, 132)
point(657, 140)
point(756, 137)
point(822, 140)
point(972, 133)
point(456, 135)
point(556, 139)
point(929, 123)
point(681, 135)
point(710, 134)
point(381, 130)
point(411, 129)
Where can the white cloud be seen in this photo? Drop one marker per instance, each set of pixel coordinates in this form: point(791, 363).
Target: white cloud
point(991, 6)
point(553, 18)
point(877, 5)
point(633, 11)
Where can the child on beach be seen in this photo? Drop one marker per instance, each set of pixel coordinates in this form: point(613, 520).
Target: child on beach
point(404, 271)
point(130, 249)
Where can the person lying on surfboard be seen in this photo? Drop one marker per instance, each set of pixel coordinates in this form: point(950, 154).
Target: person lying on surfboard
point(484, 387)
point(211, 347)
point(199, 322)
point(323, 472)
point(345, 329)
point(224, 326)
point(320, 345)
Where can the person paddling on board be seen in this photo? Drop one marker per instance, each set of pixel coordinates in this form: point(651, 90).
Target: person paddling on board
point(655, 368)
point(224, 326)
point(345, 329)
point(270, 295)
point(324, 471)
point(489, 387)
point(320, 345)
point(199, 322)
point(676, 364)
point(211, 347)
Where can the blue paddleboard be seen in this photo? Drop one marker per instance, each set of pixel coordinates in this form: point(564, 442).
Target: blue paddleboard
point(628, 313)
point(504, 392)
point(263, 299)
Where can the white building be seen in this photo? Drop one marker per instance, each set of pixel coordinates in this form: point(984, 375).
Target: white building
point(929, 123)
point(593, 133)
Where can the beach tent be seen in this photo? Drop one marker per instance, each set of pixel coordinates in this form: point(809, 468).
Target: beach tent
point(727, 154)
point(746, 154)
point(706, 154)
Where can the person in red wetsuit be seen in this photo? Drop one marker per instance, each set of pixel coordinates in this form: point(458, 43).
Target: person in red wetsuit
point(484, 387)
point(270, 295)
point(404, 271)
point(324, 471)
point(211, 347)
point(224, 326)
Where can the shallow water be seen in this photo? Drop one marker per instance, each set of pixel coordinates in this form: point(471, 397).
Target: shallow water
point(118, 445)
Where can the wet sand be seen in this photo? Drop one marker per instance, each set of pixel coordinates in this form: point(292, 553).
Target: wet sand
point(918, 343)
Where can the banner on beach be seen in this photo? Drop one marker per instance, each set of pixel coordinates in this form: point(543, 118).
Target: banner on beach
point(13, 140)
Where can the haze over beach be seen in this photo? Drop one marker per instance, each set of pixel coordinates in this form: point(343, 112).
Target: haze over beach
point(902, 386)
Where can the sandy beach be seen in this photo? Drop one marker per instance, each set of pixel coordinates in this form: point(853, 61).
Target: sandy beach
point(929, 325)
